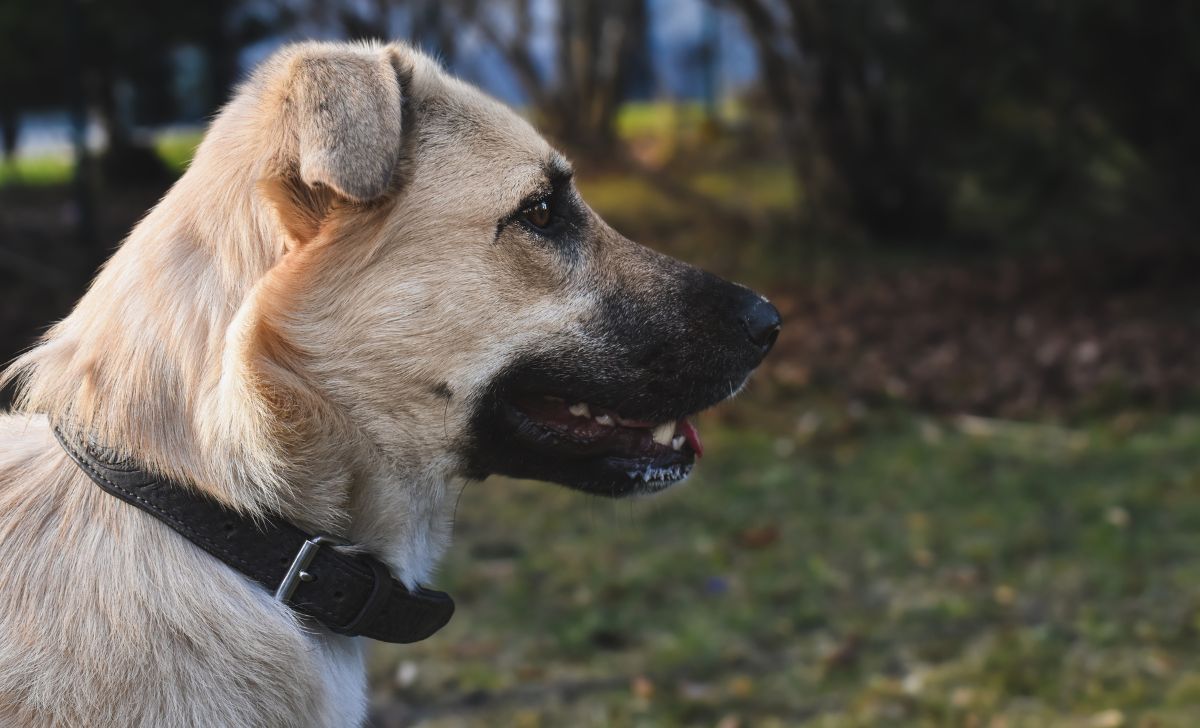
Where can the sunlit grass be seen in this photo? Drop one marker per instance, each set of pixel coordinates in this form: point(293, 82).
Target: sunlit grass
point(176, 150)
point(758, 187)
point(665, 118)
point(37, 171)
point(746, 187)
point(623, 196)
point(657, 118)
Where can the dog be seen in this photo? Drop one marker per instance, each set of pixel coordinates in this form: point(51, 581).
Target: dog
point(372, 283)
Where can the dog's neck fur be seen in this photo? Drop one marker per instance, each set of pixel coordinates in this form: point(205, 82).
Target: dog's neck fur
point(171, 358)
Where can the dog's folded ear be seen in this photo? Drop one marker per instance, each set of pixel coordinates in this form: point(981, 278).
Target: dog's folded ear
point(335, 132)
point(343, 111)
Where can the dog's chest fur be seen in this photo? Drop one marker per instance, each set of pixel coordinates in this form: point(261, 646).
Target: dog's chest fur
point(345, 679)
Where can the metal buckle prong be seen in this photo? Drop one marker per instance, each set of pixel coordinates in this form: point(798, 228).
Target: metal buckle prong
point(296, 572)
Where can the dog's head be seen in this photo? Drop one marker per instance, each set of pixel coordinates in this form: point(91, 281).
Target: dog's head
point(447, 288)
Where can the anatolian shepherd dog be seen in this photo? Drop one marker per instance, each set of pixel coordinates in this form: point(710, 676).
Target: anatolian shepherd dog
point(372, 282)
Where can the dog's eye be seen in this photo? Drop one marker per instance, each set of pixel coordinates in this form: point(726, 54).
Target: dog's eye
point(537, 215)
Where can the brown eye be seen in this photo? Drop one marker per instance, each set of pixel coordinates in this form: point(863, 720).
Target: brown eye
point(538, 215)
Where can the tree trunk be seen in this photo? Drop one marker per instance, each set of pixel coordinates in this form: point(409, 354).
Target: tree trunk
point(220, 53)
point(10, 129)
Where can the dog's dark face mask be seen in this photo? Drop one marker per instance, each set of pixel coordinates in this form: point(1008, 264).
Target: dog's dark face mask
point(603, 407)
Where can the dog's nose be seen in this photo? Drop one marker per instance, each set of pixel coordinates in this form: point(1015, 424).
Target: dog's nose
point(761, 321)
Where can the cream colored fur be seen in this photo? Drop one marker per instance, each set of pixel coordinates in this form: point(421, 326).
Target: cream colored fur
point(300, 325)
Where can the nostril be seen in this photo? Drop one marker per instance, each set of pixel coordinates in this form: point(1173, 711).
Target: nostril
point(769, 342)
point(762, 324)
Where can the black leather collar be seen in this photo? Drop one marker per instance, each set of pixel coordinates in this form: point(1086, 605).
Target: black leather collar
point(349, 594)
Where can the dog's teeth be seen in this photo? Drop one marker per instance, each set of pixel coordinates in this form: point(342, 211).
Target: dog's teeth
point(580, 410)
point(663, 433)
point(552, 398)
point(604, 420)
point(677, 442)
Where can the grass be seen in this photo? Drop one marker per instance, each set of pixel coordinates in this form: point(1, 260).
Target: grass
point(830, 570)
point(177, 149)
point(661, 119)
point(36, 171)
point(751, 188)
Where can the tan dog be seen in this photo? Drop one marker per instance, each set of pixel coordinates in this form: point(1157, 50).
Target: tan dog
point(372, 281)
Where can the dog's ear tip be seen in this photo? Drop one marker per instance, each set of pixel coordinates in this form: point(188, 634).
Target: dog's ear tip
point(315, 171)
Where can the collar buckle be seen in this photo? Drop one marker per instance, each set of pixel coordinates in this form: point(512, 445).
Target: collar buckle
point(296, 572)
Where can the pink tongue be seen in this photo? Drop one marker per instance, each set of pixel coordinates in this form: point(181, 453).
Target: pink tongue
point(692, 436)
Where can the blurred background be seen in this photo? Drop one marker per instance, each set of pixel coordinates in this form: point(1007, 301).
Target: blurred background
point(963, 490)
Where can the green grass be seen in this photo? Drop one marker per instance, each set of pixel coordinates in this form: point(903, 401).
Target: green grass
point(177, 150)
point(826, 570)
point(36, 171)
point(659, 119)
point(750, 188)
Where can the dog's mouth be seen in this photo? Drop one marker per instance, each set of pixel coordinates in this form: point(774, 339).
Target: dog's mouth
point(591, 447)
point(653, 452)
